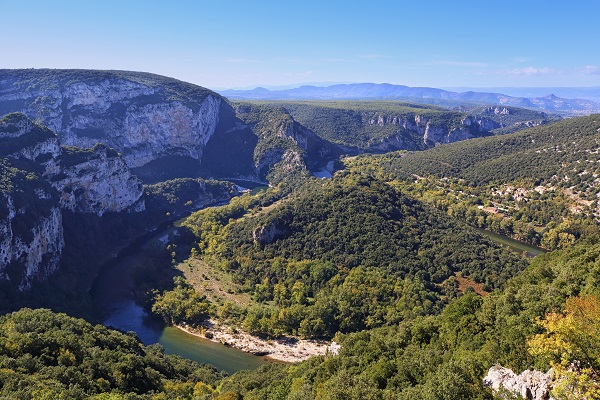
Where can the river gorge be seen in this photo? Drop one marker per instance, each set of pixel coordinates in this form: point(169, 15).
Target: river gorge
point(113, 295)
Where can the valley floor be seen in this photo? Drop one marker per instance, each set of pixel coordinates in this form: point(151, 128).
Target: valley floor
point(287, 349)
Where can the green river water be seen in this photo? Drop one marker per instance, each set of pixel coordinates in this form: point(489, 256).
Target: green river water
point(514, 245)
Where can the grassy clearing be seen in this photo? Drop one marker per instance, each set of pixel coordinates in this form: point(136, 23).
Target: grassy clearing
point(216, 284)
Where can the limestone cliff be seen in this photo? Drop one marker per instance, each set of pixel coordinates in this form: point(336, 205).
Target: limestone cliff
point(284, 146)
point(38, 180)
point(93, 180)
point(292, 144)
point(31, 232)
point(96, 180)
point(142, 116)
point(432, 131)
point(268, 233)
point(20, 138)
point(382, 126)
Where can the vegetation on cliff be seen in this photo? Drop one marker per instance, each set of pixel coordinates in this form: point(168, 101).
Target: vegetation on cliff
point(439, 356)
point(36, 134)
point(367, 125)
point(42, 79)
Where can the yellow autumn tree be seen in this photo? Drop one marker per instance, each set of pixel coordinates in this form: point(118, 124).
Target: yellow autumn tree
point(571, 345)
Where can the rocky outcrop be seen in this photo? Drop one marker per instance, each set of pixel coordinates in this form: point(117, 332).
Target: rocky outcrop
point(97, 181)
point(269, 232)
point(39, 179)
point(391, 144)
point(143, 116)
point(267, 160)
point(31, 231)
point(41, 254)
point(290, 130)
point(289, 140)
point(482, 124)
point(529, 384)
point(433, 133)
point(178, 196)
point(529, 124)
point(21, 138)
point(281, 144)
point(14, 125)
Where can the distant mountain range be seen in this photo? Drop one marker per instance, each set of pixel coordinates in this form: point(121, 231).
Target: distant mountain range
point(587, 93)
point(371, 91)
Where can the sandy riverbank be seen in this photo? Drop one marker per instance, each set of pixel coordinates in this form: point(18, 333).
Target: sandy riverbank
point(286, 349)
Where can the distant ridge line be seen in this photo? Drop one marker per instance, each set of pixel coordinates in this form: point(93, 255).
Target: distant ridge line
point(428, 95)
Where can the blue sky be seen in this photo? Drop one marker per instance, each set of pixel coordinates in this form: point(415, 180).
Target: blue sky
point(224, 44)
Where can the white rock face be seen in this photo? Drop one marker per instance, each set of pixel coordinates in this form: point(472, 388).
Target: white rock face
point(45, 150)
point(296, 135)
point(432, 134)
point(266, 234)
point(529, 384)
point(15, 128)
point(168, 128)
point(291, 130)
point(99, 184)
point(93, 180)
point(49, 148)
point(39, 251)
point(139, 120)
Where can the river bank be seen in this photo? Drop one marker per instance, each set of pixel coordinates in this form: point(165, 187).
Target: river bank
point(287, 349)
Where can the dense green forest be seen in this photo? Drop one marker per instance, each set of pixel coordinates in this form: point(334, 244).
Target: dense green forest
point(445, 356)
point(342, 256)
point(539, 185)
point(553, 153)
point(288, 257)
point(44, 355)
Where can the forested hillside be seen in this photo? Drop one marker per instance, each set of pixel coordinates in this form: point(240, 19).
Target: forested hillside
point(427, 357)
point(44, 355)
point(343, 256)
point(445, 356)
point(546, 154)
point(539, 185)
point(378, 126)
